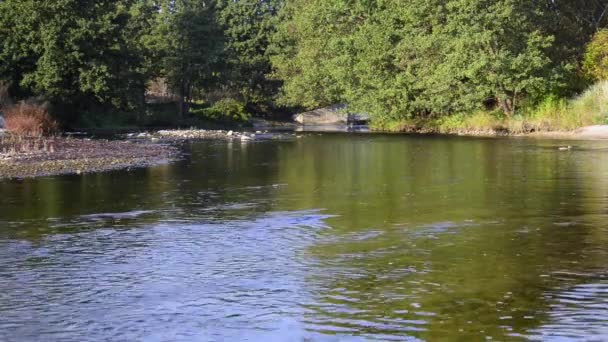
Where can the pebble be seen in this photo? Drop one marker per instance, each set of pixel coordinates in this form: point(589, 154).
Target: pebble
point(217, 134)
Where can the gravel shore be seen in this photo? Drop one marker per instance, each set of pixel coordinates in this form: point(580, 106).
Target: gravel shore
point(190, 134)
point(27, 158)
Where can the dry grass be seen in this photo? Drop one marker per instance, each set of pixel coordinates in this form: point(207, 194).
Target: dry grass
point(29, 120)
point(12, 145)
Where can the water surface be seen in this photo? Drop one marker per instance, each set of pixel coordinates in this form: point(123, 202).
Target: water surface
point(330, 237)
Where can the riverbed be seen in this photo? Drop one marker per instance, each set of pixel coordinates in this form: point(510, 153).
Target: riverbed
point(328, 237)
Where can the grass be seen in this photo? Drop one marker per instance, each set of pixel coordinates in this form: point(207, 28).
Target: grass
point(11, 145)
point(29, 120)
point(551, 115)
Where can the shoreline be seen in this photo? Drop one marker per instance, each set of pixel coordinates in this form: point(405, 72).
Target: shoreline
point(40, 157)
point(63, 156)
point(595, 132)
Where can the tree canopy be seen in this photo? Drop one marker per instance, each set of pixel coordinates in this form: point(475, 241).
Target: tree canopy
point(389, 58)
point(75, 51)
point(402, 59)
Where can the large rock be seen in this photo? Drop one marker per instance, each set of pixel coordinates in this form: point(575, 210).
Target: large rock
point(336, 114)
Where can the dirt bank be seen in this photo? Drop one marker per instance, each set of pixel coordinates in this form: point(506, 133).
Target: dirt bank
point(597, 132)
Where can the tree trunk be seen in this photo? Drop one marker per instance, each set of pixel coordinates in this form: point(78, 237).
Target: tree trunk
point(506, 103)
point(182, 98)
point(505, 106)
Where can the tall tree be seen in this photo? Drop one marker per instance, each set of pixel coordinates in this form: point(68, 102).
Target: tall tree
point(189, 44)
point(248, 26)
point(78, 52)
point(395, 60)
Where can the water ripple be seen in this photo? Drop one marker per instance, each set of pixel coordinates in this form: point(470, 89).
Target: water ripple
point(210, 277)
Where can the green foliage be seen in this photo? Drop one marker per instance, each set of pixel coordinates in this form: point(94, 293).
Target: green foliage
point(103, 119)
point(188, 46)
point(225, 110)
point(399, 60)
point(75, 51)
point(248, 26)
point(591, 107)
point(551, 114)
point(595, 63)
point(153, 115)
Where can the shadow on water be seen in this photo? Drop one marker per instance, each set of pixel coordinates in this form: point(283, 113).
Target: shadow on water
point(330, 236)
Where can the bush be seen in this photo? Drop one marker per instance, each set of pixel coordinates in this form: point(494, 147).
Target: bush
point(595, 63)
point(591, 107)
point(224, 110)
point(551, 114)
point(25, 119)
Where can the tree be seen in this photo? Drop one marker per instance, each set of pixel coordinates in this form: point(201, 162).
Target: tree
point(398, 60)
point(311, 50)
point(595, 63)
point(248, 26)
point(189, 46)
point(494, 49)
point(77, 52)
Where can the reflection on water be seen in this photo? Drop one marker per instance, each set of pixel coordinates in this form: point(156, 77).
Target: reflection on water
point(328, 237)
point(577, 313)
point(192, 280)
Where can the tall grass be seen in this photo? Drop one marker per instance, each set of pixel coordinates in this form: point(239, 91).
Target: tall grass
point(551, 115)
point(481, 122)
point(12, 145)
point(592, 106)
point(589, 108)
point(29, 120)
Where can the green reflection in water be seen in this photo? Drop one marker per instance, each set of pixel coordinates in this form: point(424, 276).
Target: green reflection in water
point(431, 237)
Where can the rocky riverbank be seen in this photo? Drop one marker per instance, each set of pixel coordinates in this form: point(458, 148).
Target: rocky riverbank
point(189, 134)
point(35, 157)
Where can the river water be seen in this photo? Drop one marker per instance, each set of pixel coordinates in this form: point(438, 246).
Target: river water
point(329, 237)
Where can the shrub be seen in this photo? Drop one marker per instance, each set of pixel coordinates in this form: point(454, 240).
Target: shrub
point(591, 107)
point(551, 114)
point(224, 110)
point(558, 114)
point(595, 63)
point(477, 122)
point(25, 119)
